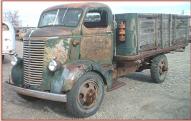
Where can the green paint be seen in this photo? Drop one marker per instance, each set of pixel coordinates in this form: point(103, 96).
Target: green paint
point(52, 42)
point(17, 73)
point(69, 55)
point(48, 78)
point(52, 49)
point(129, 46)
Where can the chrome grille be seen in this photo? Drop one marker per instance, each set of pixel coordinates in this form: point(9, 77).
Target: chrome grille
point(33, 54)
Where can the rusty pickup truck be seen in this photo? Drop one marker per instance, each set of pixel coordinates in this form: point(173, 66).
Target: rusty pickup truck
point(80, 49)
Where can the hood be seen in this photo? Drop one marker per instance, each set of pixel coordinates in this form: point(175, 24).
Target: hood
point(50, 31)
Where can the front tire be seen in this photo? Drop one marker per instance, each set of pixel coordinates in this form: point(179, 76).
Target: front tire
point(86, 96)
point(159, 68)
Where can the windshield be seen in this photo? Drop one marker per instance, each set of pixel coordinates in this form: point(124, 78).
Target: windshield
point(68, 17)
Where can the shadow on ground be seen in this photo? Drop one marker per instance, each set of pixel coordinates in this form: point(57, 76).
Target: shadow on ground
point(46, 105)
point(140, 76)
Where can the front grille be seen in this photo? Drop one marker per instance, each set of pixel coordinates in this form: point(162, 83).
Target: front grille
point(33, 54)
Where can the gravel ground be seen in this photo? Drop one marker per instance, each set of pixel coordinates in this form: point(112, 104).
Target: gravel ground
point(138, 99)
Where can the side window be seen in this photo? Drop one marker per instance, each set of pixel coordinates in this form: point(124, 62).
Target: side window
point(96, 19)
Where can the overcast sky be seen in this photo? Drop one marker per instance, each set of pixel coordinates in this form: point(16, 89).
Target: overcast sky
point(29, 12)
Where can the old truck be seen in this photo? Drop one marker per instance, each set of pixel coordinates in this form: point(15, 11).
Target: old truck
point(80, 49)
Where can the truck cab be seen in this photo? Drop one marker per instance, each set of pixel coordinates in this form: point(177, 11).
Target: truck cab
point(86, 27)
point(78, 49)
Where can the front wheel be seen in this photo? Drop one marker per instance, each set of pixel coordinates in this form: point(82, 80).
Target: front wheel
point(86, 96)
point(159, 68)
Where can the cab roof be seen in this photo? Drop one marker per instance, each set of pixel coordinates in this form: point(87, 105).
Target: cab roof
point(77, 5)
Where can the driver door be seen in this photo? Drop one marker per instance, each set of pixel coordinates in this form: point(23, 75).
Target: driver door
point(97, 37)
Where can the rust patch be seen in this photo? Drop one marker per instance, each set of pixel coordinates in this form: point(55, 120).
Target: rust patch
point(124, 68)
point(75, 71)
point(77, 5)
point(59, 51)
point(96, 45)
point(88, 94)
point(73, 67)
point(51, 32)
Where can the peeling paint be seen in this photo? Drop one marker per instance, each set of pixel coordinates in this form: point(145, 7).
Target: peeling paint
point(58, 49)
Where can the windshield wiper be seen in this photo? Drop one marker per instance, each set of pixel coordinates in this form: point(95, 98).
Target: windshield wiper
point(64, 14)
point(56, 17)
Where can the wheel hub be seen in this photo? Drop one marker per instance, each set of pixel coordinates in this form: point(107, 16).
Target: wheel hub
point(90, 97)
point(88, 94)
point(162, 67)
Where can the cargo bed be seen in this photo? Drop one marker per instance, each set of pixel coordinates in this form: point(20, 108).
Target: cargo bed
point(149, 34)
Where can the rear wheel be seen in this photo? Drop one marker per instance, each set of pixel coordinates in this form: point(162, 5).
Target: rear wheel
point(86, 96)
point(159, 68)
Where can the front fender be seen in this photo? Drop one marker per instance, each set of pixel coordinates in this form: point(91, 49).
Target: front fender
point(73, 71)
point(17, 73)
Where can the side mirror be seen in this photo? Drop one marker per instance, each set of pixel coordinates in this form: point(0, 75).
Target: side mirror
point(114, 24)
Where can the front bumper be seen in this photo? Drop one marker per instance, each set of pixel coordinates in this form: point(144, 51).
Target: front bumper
point(40, 94)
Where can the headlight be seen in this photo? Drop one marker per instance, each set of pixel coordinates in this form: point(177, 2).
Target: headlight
point(52, 65)
point(14, 60)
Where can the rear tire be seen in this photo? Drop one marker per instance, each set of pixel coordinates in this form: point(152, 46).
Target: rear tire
point(86, 96)
point(159, 68)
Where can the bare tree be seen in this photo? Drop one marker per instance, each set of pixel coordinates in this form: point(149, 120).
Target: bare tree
point(13, 17)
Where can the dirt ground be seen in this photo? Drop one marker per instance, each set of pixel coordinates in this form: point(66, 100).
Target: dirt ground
point(138, 99)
